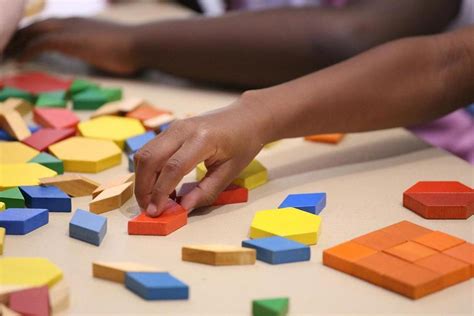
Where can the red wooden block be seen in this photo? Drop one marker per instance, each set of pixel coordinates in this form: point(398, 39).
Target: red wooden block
point(173, 218)
point(146, 111)
point(55, 118)
point(36, 82)
point(438, 187)
point(231, 195)
point(31, 302)
point(45, 137)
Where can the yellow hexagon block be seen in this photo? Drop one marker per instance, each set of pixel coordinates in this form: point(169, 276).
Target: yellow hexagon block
point(287, 222)
point(254, 175)
point(18, 174)
point(29, 272)
point(80, 154)
point(16, 152)
point(114, 128)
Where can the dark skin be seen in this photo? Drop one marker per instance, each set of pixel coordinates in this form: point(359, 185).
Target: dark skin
point(245, 49)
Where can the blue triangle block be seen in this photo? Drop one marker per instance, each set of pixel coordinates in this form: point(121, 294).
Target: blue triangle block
point(156, 286)
point(47, 197)
point(309, 202)
point(21, 221)
point(88, 227)
point(277, 250)
point(133, 144)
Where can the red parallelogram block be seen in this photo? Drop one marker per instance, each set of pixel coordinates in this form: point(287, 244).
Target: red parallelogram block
point(45, 137)
point(36, 82)
point(32, 301)
point(231, 195)
point(173, 218)
point(55, 118)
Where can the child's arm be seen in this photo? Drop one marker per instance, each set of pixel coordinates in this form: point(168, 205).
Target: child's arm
point(251, 49)
point(10, 14)
point(401, 83)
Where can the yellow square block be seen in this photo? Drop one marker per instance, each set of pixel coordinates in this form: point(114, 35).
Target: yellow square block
point(19, 174)
point(29, 271)
point(2, 239)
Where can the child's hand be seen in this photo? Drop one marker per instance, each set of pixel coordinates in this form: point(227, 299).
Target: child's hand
point(226, 140)
point(108, 46)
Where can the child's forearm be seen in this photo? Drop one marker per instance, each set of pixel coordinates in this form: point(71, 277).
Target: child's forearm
point(398, 84)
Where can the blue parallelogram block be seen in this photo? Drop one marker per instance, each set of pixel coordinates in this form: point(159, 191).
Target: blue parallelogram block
point(156, 286)
point(277, 250)
point(21, 221)
point(133, 144)
point(49, 197)
point(309, 202)
point(88, 227)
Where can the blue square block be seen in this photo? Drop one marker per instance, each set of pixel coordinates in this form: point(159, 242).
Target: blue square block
point(277, 250)
point(156, 286)
point(309, 202)
point(21, 221)
point(133, 144)
point(131, 165)
point(48, 197)
point(88, 227)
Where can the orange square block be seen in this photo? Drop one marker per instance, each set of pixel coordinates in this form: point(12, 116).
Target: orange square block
point(411, 251)
point(173, 218)
point(407, 230)
point(438, 240)
point(343, 256)
point(145, 112)
point(453, 271)
point(379, 240)
point(464, 252)
point(326, 138)
point(373, 268)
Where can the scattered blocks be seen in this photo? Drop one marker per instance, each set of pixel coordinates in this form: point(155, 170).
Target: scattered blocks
point(173, 218)
point(55, 118)
point(2, 239)
point(36, 82)
point(7, 93)
point(15, 175)
point(271, 307)
point(21, 106)
point(291, 223)
point(90, 99)
point(326, 138)
point(88, 227)
point(21, 221)
point(309, 202)
point(17, 152)
point(81, 154)
point(156, 286)
point(79, 85)
point(232, 194)
point(29, 272)
point(12, 122)
point(421, 261)
point(46, 137)
point(115, 271)
point(145, 112)
point(133, 144)
point(130, 177)
point(218, 255)
point(4, 136)
point(158, 122)
point(48, 197)
point(111, 198)
point(49, 161)
point(440, 200)
point(12, 198)
point(254, 175)
point(56, 99)
point(277, 250)
point(73, 184)
point(118, 107)
point(33, 301)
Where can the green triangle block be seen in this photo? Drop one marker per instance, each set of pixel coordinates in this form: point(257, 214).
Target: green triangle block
point(112, 94)
point(56, 99)
point(271, 307)
point(49, 161)
point(90, 99)
point(8, 92)
point(12, 198)
point(80, 85)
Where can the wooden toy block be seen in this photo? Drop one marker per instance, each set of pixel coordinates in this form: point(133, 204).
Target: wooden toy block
point(36, 82)
point(464, 252)
point(156, 123)
point(73, 184)
point(309, 202)
point(410, 251)
point(112, 94)
point(59, 297)
point(49, 161)
point(271, 307)
point(111, 198)
point(46, 137)
point(56, 99)
point(7, 93)
point(55, 118)
point(15, 175)
point(114, 128)
point(218, 255)
point(2, 239)
point(79, 85)
point(118, 107)
point(129, 177)
point(278, 250)
point(173, 218)
point(2, 206)
point(438, 240)
point(4, 136)
point(342, 257)
point(452, 271)
point(131, 163)
point(31, 272)
point(34, 301)
point(115, 271)
point(291, 223)
point(80, 154)
point(145, 112)
point(5, 311)
point(21, 221)
point(254, 175)
point(13, 123)
point(6, 290)
point(12, 198)
point(135, 143)
point(406, 230)
point(48, 197)
point(17, 152)
point(90, 99)
point(88, 227)
point(156, 286)
point(20, 105)
point(380, 240)
point(326, 138)
point(231, 195)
